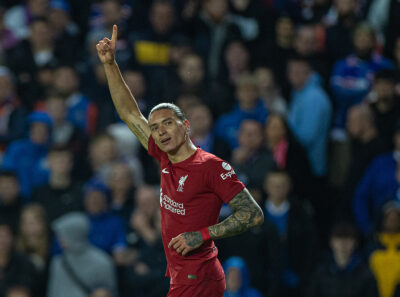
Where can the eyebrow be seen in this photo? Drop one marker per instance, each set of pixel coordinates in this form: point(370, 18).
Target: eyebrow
point(167, 119)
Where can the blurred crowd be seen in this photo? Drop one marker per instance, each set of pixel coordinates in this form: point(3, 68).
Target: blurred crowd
point(300, 96)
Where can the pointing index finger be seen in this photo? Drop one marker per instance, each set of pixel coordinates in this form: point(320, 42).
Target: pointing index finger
point(114, 34)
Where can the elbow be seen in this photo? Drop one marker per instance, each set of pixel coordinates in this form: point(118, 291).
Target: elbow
point(259, 218)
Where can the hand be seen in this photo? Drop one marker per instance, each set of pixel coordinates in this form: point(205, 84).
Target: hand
point(106, 48)
point(186, 242)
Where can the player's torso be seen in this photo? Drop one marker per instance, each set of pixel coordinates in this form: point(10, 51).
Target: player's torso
point(186, 201)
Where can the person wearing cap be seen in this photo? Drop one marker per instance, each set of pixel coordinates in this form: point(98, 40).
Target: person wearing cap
point(386, 250)
point(379, 184)
point(27, 156)
point(82, 268)
point(343, 272)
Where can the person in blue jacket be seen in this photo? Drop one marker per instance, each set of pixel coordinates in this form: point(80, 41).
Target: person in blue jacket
point(27, 157)
point(238, 279)
point(379, 184)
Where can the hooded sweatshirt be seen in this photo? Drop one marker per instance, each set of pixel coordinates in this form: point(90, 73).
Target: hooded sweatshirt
point(92, 266)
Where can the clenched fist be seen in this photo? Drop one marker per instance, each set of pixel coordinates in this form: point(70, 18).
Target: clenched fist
point(106, 48)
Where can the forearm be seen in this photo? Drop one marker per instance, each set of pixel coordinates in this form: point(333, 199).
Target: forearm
point(122, 97)
point(246, 214)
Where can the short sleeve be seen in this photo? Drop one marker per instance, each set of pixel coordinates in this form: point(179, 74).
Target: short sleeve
point(222, 180)
point(154, 150)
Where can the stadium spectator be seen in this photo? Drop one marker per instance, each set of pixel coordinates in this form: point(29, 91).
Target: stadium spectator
point(298, 237)
point(61, 194)
point(248, 107)
point(250, 159)
point(385, 249)
point(26, 156)
point(379, 184)
point(288, 154)
point(202, 132)
point(352, 76)
point(82, 268)
point(33, 240)
point(343, 272)
point(10, 199)
point(16, 269)
point(238, 279)
point(309, 113)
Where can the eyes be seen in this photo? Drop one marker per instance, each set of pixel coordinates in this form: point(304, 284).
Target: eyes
point(154, 128)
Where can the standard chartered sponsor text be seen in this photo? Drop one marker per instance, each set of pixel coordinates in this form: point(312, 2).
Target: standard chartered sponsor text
point(172, 205)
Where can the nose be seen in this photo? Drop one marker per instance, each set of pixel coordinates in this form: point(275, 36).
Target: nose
point(161, 131)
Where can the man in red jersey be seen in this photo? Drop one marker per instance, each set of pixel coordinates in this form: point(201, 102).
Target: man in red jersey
point(194, 184)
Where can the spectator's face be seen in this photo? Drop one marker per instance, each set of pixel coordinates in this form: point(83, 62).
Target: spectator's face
point(136, 83)
point(65, 81)
point(103, 151)
point(200, 120)
point(146, 201)
point(9, 189)
point(59, 19)
point(275, 130)
point(18, 292)
point(95, 202)
point(305, 42)
point(343, 247)
point(233, 279)
point(250, 135)
point(236, 57)
point(6, 239)
point(277, 187)
point(111, 13)
point(240, 5)
point(265, 79)
point(345, 7)
point(39, 133)
point(57, 109)
point(38, 7)
point(41, 34)
point(391, 221)
point(60, 162)
point(187, 101)
point(363, 42)
point(216, 9)
point(284, 28)
point(247, 96)
point(298, 73)
point(385, 90)
point(120, 178)
point(101, 293)
point(32, 226)
point(191, 70)
point(162, 17)
point(6, 87)
point(168, 131)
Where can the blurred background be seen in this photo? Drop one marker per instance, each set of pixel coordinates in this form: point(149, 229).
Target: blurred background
point(300, 96)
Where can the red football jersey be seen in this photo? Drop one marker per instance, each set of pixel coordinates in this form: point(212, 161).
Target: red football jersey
point(191, 196)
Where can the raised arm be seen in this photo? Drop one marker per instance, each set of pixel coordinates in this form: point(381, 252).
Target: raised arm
point(122, 97)
point(246, 214)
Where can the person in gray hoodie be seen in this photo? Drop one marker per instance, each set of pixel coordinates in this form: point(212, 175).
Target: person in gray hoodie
point(82, 268)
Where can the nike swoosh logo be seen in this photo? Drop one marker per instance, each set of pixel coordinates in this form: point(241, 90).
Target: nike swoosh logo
point(164, 170)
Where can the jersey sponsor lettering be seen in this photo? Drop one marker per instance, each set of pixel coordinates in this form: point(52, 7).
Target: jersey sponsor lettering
point(228, 174)
point(171, 205)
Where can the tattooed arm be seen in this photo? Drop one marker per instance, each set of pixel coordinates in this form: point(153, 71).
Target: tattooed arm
point(246, 214)
point(122, 97)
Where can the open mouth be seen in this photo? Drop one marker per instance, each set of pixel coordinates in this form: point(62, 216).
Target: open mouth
point(166, 140)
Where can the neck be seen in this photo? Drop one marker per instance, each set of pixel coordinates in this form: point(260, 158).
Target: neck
point(41, 47)
point(119, 197)
point(341, 260)
point(183, 152)
point(284, 42)
point(60, 181)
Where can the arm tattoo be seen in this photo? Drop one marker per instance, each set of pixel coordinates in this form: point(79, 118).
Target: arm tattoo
point(193, 239)
point(246, 214)
point(140, 133)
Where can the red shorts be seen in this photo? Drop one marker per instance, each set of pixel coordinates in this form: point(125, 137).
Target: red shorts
point(207, 288)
